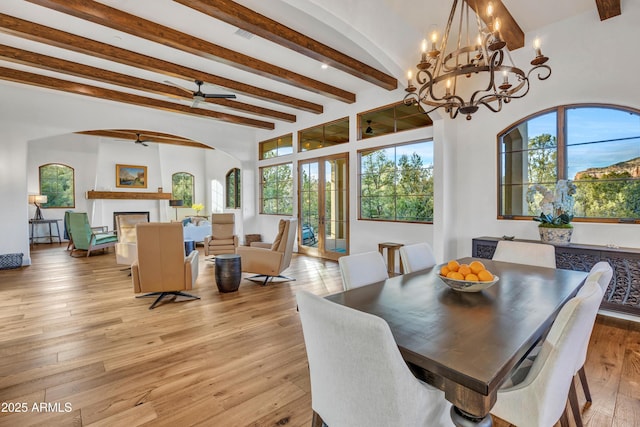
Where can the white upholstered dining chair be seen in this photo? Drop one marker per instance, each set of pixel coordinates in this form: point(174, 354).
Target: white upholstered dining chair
point(417, 256)
point(362, 269)
point(358, 376)
point(537, 254)
point(540, 399)
point(606, 271)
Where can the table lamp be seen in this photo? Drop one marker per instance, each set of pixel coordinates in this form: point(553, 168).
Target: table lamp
point(174, 204)
point(37, 199)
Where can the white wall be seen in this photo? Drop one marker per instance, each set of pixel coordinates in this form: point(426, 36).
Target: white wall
point(589, 64)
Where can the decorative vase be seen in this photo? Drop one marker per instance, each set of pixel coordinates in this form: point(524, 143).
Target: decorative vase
point(555, 235)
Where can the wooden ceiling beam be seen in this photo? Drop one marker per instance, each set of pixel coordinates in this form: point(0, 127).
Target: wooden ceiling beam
point(509, 28)
point(242, 17)
point(118, 20)
point(50, 63)
point(608, 8)
point(43, 34)
point(147, 136)
point(24, 77)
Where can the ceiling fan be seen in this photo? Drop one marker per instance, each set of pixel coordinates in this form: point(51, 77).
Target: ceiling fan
point(198, 95)
point(138, 140)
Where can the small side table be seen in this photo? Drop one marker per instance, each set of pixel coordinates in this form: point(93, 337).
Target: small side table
point(228, 272)
point(51, 236)
point(391, 255)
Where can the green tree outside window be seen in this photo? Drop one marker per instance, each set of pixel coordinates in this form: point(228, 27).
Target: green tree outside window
point(57, 182)
point(277, 189)
point(232, 181)
point(182, 188)
point(396, 183)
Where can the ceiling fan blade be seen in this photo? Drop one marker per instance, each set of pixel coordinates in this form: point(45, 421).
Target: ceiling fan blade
point(196, 101)
point(220, 95)
point(190, 92)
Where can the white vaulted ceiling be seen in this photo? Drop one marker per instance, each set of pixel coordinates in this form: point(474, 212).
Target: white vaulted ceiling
point(383, 35)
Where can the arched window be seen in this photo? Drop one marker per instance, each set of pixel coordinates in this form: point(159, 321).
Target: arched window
point(232, 182)
point(182, 188)
point(595, 146)
point(57, 182)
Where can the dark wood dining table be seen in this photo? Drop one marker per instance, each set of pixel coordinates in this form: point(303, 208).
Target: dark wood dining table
point(467, 343)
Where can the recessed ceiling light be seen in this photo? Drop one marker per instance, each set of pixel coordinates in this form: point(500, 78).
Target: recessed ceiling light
point(324, 66)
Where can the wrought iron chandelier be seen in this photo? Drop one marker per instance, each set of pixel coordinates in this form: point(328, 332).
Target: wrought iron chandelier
point(481, 61)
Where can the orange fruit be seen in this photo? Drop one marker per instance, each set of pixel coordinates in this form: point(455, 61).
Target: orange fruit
point(455, 275)
point(453, 265)
point(476, 267)
point(471, 277)
point(444, 271)
point(485, 276)
point(464, 269)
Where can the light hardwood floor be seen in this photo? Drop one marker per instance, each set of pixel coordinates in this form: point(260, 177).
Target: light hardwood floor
point(73, 335)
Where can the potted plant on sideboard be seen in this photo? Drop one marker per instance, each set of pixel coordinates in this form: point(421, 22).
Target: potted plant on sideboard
point(556, 211)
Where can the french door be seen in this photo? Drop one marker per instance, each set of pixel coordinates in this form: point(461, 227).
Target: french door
point(324, 206)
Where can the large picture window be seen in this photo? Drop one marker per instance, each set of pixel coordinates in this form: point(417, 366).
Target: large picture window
point(396, 183)
point(182, 188)
point(57, 182)
point(276, 192)
point(597, 147)
point(232, 181)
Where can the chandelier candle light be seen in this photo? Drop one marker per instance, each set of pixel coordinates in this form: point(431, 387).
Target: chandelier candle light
point(483, 61)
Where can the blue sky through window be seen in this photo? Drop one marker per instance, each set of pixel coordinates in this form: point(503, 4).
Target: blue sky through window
point(586, 126)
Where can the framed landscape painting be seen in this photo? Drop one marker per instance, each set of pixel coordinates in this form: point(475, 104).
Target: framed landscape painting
point(128, 176)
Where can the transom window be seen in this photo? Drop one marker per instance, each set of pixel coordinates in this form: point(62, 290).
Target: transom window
point(280, 146)
point(182, 188)
point(276, 190)
point(396, 183)
point(597, 147)
point(391, 119)
point(57, 182)
point(325, 135)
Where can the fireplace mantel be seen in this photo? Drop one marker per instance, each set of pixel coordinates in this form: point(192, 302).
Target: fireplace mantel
point(128, 195)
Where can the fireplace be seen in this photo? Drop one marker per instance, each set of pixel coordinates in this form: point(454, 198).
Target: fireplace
point(115, 214)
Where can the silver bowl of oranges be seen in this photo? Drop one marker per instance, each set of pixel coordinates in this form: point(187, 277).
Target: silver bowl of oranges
point(472, 277)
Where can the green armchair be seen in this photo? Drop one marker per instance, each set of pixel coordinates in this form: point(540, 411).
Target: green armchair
point(86, 238)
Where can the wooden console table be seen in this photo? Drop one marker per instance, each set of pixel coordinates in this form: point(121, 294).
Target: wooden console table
point(623, 293)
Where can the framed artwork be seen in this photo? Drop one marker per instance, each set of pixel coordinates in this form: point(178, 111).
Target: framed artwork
point(128, 176)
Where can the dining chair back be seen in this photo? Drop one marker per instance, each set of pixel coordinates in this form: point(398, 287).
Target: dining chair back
point(540, 399)
point(362, 269)
point(605, 272)
point(536, 254)
point(358, 376)
point(418, 256)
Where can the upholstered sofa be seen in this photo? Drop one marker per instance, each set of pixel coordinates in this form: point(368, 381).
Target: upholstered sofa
point(196, 228)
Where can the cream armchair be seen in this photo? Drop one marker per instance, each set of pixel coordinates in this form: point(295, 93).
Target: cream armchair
point(270, 260)
point(222, 239)
point(161, 267)
point(126, 230)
